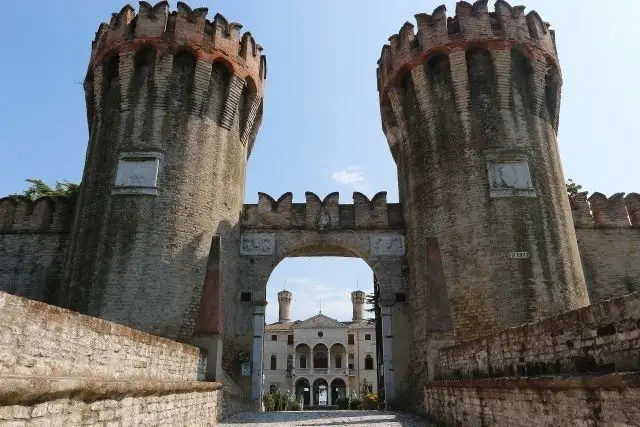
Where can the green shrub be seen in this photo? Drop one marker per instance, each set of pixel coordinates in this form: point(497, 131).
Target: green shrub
point(279, 401)
point(370, 401)
point(269, 403)
point(294, 405)
point(342, 402)
point(355, 404)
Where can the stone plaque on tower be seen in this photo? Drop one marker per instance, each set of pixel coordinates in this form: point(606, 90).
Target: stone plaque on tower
point(509, 176)
point(137, 173)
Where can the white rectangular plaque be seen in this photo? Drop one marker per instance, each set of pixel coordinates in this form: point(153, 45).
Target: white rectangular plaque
point(519, 255)
point(137, 173)
point(509, 175)
point(387, 244)
point(257, 244)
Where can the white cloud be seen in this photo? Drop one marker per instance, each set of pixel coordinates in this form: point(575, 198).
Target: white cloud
point(349, 176)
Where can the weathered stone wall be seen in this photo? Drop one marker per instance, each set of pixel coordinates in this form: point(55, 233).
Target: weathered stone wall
point(58, 367)
point(604, 337)
point(42, 340)
point(57, 401)
point(608, 233)
point(609, 400)
point(33, 239)
point(610, 260)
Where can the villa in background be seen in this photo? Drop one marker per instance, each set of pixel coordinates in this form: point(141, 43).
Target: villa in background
point(320, 359)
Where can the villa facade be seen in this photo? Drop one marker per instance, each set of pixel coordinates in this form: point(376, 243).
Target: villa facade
point(320, 359)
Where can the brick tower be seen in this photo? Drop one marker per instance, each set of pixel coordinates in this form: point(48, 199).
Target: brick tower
point(174, 103)
point(470, 108)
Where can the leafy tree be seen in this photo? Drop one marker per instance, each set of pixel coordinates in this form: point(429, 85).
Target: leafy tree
point(371, 300)
point(573, 188)
point(39, 188)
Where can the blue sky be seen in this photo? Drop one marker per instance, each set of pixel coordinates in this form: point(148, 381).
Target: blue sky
point(321, 131)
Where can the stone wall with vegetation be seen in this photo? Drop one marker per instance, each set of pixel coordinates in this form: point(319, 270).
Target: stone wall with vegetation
point(612, 400)
point(599, 338)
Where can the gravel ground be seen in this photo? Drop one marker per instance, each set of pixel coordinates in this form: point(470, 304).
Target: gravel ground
point(324, 418)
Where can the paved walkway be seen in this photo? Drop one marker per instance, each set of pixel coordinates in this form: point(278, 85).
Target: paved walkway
point(324, 418)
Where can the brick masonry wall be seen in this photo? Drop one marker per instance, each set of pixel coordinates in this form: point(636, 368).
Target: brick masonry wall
point(43, 340)
point(610, 260)
point(32, 264)
point(577, 401)
point(33, 240)
point(604, 337)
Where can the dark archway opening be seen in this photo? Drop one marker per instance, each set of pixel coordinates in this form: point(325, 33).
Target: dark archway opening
point(338, 390)
point(303, 391)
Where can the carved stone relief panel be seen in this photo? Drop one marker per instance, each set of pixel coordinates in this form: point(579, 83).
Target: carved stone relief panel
point(387, 244)
point(137, 173)
point(322, 219)
point(257, 244)
point(509, 175)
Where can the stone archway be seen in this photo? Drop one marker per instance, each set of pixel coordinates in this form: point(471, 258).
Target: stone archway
point(368, 229)
point(320, 392)
point(338, 390)
point(303, 391)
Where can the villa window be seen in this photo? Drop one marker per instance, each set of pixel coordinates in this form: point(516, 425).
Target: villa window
point(274, 362)
point(338, 362)
point(351, 339)
point(274, 338)
point(290, 339)
point(303, 362)
point(368, 362)
point(367, 337)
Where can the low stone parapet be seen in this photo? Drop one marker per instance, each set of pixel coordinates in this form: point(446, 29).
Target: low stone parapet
point(38, 339)
point(87, 401)
point(611, 399)
point(600, 338)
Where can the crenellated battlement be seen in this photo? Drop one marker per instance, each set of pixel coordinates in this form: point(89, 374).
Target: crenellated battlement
point(183, 29)
point(45, 215)
point(322, 214)
point(600, 211)
point(472, 25)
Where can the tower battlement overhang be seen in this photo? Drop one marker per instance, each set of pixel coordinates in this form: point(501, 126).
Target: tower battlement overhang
point(471, 26)
point(185, 29)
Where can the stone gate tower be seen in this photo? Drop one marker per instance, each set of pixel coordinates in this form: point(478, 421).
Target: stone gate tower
point(470, 108)
point(174, 103)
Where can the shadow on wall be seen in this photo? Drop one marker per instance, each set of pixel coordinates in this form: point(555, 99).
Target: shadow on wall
point(34, 236)
point(214, 300)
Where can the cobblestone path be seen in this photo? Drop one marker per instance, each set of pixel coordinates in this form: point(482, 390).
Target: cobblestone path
point(324, 418)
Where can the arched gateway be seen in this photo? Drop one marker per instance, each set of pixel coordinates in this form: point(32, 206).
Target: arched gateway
point(368, 229)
